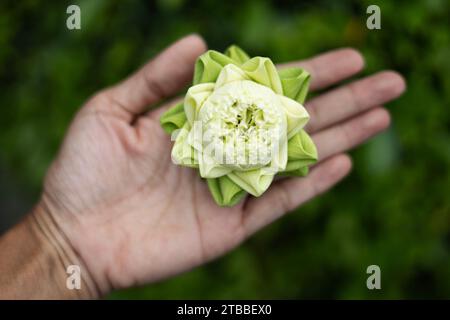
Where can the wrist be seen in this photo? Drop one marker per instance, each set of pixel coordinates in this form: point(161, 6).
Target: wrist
point(34, 257)
point(71, 277)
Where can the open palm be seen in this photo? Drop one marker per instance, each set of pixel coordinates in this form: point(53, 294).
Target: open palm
point(133, 217)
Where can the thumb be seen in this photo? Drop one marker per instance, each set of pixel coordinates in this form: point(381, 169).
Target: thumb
point(161, 77)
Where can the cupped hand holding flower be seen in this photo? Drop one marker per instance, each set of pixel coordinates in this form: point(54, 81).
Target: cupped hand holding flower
point(117, 205)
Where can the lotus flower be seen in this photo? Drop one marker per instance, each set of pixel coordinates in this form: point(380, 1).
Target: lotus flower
point(241, 123)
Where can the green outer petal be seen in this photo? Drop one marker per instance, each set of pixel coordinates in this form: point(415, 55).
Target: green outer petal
point(225, 192)
point(295, 82)
point(173, 119)
point(209, 65)
point(237, 54)
point(301, 146)
point(263, 71)
point(301, 153)
point(254, 182)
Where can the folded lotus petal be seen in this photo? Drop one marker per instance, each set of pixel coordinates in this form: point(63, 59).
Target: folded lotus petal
point(263, 71)
point(296, 114)
point(295, 83)
point(174, 118)
point(194, 99)
point(254, 182)
point(237, 54)
point(225, 192)
point(182, 152)
point(195, 137)
point(301, 153)
point(209, 65)
point(229, 74)
point(209, 167)
point(302, 147)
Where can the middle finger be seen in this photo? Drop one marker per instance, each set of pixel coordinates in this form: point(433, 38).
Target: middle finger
point(349, 100)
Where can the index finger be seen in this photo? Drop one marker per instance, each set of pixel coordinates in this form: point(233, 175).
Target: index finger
point(331, 67)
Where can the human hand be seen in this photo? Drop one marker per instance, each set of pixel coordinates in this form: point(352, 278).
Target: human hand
point(133, 217)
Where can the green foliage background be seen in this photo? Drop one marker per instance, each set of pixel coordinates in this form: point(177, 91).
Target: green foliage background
point(393, 210)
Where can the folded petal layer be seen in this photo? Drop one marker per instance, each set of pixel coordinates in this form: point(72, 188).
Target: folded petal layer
point(174, 118)
point(295, 83)
point(237, 54)
point(182, 151)
point(194, 99)
point(209, 65)
point(296, 115)
point(254, 182)
point(301, 153)
point(225, 192)
point(229, 74)
point(263, 71)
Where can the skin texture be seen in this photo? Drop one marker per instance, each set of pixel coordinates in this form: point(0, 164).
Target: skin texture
point(130, 216)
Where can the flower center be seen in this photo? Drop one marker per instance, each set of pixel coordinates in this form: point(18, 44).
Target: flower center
point(242, 124)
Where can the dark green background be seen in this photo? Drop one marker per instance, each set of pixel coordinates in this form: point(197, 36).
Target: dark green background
point(393, 210)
